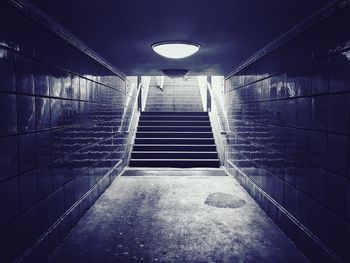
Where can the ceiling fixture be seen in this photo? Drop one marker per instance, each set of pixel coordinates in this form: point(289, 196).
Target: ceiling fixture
point(175, 49)
point(175, 73)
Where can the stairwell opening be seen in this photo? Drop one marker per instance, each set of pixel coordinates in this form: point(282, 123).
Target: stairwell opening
point(175, 130)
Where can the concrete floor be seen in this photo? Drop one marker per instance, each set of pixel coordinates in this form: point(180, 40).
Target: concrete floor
point(176, 216)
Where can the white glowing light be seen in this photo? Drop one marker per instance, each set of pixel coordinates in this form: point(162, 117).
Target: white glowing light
point(175, 49)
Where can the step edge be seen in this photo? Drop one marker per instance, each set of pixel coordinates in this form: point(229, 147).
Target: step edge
point(174, 152)
point(175, 145)
point(202, 160)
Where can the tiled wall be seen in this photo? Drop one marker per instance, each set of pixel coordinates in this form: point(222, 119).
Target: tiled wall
point(289, 116)
point(60, 112)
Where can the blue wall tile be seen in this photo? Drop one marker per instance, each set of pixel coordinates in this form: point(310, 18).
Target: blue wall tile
point(318, 148)
point(43, 147)
point(9, 239)
point(10, 199)
point(307, 79)
point(44, 177)
point(7, 70)
point(28, 185)
point(319, 113)
point(42, 113)
point(8, 114)
point(8, 157)
point(339, 68)
point(25, 113)
point(337, 154)
point(41, 79)
point(26, 152)
point(46, 131)
point(336, 193)
point(24, 75)
point(339, 113)
point(317, 183)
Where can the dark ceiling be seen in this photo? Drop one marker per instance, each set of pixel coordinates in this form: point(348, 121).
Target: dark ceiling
point(229, 31)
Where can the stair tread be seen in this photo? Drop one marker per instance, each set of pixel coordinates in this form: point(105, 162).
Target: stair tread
point(173, 152)
point(171, 121)
point(198, 113)
point(172, 132)
point(175, 138)
point(175, 145)
point(175, 126)
point(200, 160)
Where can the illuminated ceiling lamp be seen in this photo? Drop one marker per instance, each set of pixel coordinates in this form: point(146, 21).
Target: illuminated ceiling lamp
point(175, 49)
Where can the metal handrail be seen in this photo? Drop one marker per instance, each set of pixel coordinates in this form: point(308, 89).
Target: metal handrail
point(136, 107)
point(132, 124)
point(218, 129)
point(212, 97)
point(126, 107)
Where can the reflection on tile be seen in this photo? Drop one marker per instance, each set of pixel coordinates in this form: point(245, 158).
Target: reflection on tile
point(25, 113)
point(339, 76)
point(7, 70)
point(56, 112)
point(75, 88)
point(24, 75)
point(42, 113)
point(41, 81)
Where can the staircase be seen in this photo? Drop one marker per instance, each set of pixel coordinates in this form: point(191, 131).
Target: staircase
point(174, 132)
point(178, 95)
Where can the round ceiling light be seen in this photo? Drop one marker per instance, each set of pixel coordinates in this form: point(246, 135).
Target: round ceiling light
point(175, 49)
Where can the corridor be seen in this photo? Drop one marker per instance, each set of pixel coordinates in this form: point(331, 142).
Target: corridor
point(176, 215)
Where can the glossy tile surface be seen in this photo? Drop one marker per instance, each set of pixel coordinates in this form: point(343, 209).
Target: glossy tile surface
point(289, 113)
point(60, 112)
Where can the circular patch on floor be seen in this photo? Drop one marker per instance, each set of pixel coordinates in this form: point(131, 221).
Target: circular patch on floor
point(223, 200)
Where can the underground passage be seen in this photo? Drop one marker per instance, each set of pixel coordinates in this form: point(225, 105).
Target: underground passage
point(175, 131)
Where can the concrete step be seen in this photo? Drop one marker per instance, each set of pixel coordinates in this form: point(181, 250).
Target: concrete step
point(168, 106)
point(174, 123)
point(171, 93)
point(177, 163)
point(174, 128)
point(173, 155)
point(174, 135)
point(174, 109)
point(158, 113)
point(174, 148)
point(189, 141)
point(173, 118)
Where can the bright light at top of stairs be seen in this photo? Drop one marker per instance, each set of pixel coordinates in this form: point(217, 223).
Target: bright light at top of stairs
point(175, 49)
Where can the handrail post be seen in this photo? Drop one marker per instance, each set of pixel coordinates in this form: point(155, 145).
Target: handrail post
point(139, 92)
point(208, 98)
